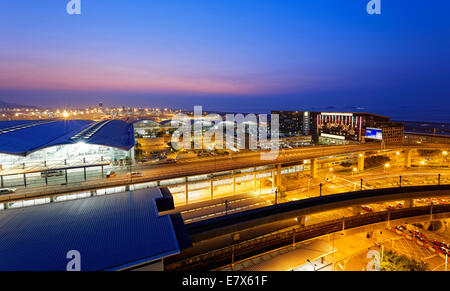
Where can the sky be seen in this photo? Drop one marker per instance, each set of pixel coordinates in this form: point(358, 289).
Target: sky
point(230, 55)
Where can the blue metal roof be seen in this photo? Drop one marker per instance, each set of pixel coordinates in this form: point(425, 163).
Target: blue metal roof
point(25, 137)
point(12, 123)
point(110, 232)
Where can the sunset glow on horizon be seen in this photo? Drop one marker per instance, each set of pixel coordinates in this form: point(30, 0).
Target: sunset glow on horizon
point(330, 49)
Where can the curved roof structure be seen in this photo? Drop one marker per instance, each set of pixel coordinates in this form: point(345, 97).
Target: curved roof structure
point(176, 123)
point(111, 232)
point(24, 137)
point(146, 122)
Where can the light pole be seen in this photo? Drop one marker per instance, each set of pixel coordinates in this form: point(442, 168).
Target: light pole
point(354, 171)
point(314, 267)
point(386, 166)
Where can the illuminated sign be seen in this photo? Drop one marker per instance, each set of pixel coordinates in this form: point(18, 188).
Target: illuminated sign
point(336, 114)
point(332, 136)
point(374, 133)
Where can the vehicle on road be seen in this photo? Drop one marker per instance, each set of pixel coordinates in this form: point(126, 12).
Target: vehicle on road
point(110, 174)
point(391, 207)
point(135, 174)
point(52, 173)
point(7, 190)
point(367, 208)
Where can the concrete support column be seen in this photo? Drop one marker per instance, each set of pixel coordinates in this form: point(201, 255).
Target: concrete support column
point(273, 178)
point(278, 176)
point(361, 157)
point(408, 155)
point(132, 157)
point(408, 203)
point(254, 180)
point(301, 220)
point(234, 185)
point(356, 210)
point(212, 189)
point(388, 222)
point(186, 191)
point(314, 168)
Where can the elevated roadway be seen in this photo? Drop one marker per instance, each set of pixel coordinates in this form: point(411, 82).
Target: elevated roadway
point(296, 209)
point(159, 172)
point(213, 249)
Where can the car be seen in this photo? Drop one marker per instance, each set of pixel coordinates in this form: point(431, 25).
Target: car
point(391, 207)
point(367, 208)
point(171, 161)
point(439, 244)
point(110, 174)
point(135, 174)
point(401, 228)
point(7, 190)
point(52, 173)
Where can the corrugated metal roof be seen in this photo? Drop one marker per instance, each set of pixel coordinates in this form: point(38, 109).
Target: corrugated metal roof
point(110, 232)
point(25, 137)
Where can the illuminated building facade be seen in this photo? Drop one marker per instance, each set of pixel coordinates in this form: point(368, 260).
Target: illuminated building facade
point(44, 142)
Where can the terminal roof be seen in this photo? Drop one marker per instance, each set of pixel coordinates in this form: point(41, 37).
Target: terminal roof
point(110, 232)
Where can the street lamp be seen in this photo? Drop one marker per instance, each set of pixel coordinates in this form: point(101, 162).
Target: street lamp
point(314, 266)
point(422, 163)
point(354, 171)
point(386, 166)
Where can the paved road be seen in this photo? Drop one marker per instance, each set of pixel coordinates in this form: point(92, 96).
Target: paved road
point(156, 172)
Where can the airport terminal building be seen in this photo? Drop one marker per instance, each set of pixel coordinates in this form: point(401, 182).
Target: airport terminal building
point(39, 143)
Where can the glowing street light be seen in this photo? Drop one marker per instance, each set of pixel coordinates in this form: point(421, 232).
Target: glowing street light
point(354, 171)
point(422, 163)
point(386, 166)
point(444, 156)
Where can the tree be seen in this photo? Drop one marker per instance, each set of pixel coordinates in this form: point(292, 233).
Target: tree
point(394, 262)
